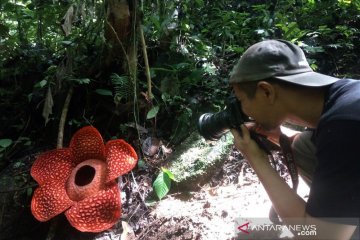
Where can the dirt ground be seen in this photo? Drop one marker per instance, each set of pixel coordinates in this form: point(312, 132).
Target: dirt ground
point(214, 211)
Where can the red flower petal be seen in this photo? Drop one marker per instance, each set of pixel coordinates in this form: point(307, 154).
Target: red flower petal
point(50, 200)
point(87, 143)
point(120, 157)
point(52, 165)
point(96, 213)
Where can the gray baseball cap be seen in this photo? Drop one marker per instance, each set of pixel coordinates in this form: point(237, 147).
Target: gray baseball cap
point(278, 59)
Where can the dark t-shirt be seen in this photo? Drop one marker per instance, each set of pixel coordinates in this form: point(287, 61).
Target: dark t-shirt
point(335, 190)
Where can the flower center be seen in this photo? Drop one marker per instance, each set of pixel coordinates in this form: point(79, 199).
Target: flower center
point(86, 179)
point(84, 175)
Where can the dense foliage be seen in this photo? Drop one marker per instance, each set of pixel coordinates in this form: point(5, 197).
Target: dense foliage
point(50, 50)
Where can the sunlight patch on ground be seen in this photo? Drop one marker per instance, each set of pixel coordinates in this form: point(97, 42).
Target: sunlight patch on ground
point(216, 209)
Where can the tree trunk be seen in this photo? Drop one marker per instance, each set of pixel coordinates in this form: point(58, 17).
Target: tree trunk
point(117, 33)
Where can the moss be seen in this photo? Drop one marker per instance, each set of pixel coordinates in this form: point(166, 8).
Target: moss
point(195, 160)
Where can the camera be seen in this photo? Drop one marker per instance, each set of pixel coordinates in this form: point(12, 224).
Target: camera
point(213, 125)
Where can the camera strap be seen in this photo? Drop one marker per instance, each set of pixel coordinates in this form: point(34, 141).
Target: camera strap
point(285, 145)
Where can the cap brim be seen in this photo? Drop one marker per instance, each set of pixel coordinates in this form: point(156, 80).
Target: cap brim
point(310, 79)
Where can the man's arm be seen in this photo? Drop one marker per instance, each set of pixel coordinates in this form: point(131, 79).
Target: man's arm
point(290, 207)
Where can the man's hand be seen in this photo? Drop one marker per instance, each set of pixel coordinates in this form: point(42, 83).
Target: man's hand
point(247, 146)
point(272, 135)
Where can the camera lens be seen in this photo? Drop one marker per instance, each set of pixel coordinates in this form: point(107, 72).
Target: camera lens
point(213, 126)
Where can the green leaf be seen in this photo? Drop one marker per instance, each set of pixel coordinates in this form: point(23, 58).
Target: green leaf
point(5, 142)
point(182, 65)
point(200, 3)
point(81, 80)
point(27, 13)
point(162, 185)
point(169, 173)
point(153, 112)
point(103, 92)
point(209, 68)
point(66, 43)
point(165, 97)
point(141, 164)
point(41, 84)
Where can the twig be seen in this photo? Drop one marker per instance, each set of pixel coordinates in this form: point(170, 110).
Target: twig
point(146, 230)
point(138, 188)
point(63, 118)
point(146, 61)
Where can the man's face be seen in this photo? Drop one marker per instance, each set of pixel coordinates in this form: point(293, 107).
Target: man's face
point(263, 107)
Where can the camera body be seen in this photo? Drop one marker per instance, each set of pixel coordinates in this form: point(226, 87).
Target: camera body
point(213, 125)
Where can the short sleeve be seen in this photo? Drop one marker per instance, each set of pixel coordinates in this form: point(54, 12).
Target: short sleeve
point(335, 190)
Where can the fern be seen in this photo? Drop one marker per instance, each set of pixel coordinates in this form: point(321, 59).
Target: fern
point(123, 88)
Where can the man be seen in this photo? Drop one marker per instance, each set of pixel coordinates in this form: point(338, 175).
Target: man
point(275, 84)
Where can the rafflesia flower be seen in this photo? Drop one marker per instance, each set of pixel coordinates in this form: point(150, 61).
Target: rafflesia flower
point(81, 180)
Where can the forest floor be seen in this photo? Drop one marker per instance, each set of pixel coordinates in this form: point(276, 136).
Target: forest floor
point(215, 211)
point(232, 196)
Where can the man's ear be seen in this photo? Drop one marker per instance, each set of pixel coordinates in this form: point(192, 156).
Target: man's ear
point(266, 90)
